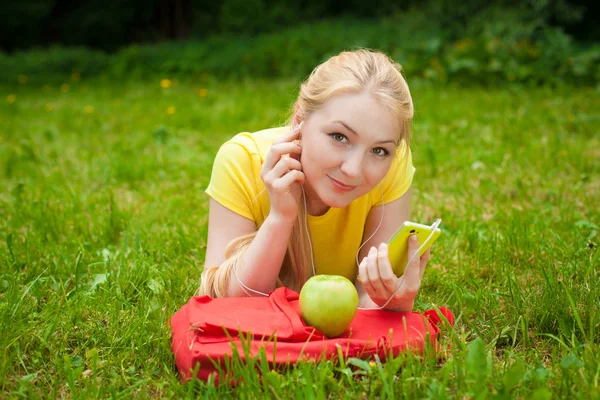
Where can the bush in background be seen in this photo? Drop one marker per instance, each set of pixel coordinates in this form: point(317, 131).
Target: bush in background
point(111, 24)
point(497, 46)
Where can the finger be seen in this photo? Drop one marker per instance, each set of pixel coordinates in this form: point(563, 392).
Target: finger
point(289, 136)
point(426, 255)
point(364, 277)
point(413, 268)
point(282, 167)
point(284, 184)
point(277, 151)
point(424, 260)
point(412, 274)
point(388, 279)
point(294, 164)
point(373, 273)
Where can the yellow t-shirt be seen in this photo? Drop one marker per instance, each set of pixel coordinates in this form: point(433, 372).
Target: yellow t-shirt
point(336, 236)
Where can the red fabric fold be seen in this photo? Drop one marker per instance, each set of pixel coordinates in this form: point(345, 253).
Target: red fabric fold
point(205, 332)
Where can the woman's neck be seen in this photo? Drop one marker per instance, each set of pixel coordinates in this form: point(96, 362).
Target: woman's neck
point(314, 205)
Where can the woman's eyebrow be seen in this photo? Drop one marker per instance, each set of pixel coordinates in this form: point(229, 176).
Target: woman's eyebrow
point(354, 132)
point(346, 126)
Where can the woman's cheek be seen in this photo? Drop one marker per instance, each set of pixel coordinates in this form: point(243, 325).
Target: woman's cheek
point(382, 171)
point(320, 157)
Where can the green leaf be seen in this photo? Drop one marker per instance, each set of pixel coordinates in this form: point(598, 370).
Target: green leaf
point(513, 376)
point(477, 369)
point(586, 224)
point(161, 134)
point(357, 362)
point(156, 286)
point(541, 394)
point(476, 361)
point(97, 280)
point(542, 374)
point(29, 377)
point(571, 361)
point(595, 257)
point(76, 361)
point(437, 390)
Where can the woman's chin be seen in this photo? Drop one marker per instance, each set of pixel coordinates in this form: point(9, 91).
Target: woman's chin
point(336, 200)
point(331, 198)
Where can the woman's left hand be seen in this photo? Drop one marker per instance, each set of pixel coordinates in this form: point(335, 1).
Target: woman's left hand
point(380, 282)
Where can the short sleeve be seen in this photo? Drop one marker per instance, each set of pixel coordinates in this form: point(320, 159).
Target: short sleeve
point(232, 182)
point(398, 179)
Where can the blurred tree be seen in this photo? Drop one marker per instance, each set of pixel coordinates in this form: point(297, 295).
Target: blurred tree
point(110, 24)
point(101, 24)
point(175, 18)
point(21, 21)
point(584, 23)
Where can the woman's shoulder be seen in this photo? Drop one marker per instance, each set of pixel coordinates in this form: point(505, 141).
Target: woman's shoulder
point(259, 142)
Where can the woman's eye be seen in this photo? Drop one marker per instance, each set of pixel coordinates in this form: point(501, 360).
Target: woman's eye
point(380, 151)
point(338, 137)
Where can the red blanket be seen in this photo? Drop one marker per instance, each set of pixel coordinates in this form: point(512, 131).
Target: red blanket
point(205, 331)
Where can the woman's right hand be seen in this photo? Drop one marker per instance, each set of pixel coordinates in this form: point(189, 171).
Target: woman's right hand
point(282, 174)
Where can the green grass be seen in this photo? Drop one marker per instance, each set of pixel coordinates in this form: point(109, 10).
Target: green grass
point(103, 232)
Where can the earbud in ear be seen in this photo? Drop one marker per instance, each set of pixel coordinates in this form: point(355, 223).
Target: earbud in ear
point(300, 126)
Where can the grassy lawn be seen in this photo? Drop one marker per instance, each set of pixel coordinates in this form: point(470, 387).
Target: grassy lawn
point(103, 229)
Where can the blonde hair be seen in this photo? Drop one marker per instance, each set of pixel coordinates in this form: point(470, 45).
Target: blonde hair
point(355, 71)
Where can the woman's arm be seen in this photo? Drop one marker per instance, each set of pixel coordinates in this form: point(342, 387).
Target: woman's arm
point(260, 263)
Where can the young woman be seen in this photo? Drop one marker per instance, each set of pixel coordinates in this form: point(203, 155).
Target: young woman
point(321, 195)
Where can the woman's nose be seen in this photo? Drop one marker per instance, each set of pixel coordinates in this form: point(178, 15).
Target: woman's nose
point(352, 164)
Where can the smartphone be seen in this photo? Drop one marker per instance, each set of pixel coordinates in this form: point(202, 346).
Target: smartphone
point(398, 243)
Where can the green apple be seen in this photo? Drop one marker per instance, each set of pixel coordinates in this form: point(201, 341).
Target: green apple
point(328, 303)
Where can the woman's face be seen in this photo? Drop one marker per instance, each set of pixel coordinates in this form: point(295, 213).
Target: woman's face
point(347, 148)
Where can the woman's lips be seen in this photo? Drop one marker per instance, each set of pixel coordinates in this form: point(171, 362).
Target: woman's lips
point(339, 186)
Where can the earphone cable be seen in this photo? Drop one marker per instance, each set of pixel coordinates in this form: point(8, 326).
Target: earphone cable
point(434, 226)
point(378, 226)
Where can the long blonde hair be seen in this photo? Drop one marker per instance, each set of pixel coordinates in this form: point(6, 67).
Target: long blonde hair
point(355, 71)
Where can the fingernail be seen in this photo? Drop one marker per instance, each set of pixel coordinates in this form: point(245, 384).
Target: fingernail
point(413, 238)
point(372, 249)
point(382, 246)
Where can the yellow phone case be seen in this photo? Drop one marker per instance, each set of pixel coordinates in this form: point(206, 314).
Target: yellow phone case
point(398, 244)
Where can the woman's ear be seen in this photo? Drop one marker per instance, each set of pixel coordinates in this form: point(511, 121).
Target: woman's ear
point(297, 117)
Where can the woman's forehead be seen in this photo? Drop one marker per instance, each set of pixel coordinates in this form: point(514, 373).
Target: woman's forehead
point(361, 114)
